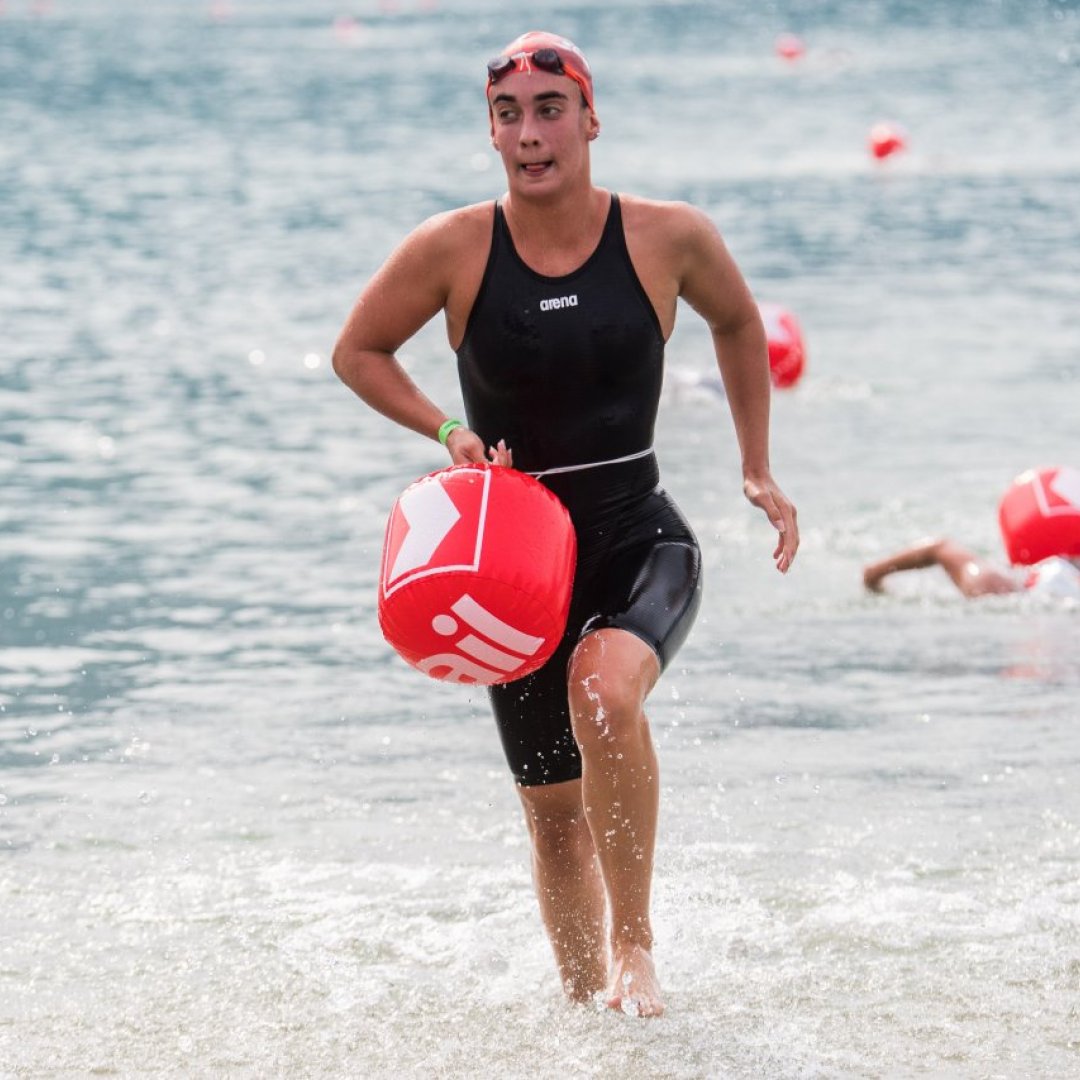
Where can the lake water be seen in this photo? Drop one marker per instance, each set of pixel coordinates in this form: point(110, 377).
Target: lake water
point(239, 837)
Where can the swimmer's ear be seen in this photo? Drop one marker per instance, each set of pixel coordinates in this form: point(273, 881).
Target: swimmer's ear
point(592, 129)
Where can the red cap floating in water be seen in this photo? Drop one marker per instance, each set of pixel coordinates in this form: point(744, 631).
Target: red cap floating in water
point(537, 50)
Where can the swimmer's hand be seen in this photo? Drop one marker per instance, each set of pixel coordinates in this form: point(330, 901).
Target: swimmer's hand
point(872, 577)
point(467, 448)
point(763, 492)
point(501, 454)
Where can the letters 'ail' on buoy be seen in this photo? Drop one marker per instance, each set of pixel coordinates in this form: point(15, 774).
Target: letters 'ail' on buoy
point(1039, 515)
point(787, 351)
point(886, 140)
point(789, 47)
point(478, 564)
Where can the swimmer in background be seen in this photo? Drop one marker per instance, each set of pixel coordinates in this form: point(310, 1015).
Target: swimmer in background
point(559, 297)
point(975, 576)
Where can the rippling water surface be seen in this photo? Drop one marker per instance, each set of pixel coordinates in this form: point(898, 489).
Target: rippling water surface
point(239, 837)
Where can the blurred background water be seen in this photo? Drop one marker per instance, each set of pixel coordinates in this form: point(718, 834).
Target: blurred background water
point(239, 837)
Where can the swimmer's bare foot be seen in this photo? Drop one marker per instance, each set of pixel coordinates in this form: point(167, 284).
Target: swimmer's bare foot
point(634, 988)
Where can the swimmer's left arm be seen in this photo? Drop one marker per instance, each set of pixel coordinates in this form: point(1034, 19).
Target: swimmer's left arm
point(712, 284)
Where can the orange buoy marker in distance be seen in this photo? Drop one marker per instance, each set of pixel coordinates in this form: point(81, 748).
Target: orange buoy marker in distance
point(478, 563)
point(886, 140)
point(787, 350)
point(1039, 515)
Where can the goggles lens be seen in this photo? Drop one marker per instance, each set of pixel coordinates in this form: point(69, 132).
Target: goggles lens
point(545, 59)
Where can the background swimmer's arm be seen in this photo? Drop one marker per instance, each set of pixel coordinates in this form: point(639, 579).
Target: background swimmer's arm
point(917, 557)
point(407, 291)
point(712, 284)
point(972, 575)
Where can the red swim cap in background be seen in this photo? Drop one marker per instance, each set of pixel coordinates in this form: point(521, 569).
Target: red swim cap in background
point(520, 55)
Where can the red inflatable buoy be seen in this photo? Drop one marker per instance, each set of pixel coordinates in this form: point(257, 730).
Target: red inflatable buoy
point(789, 47)
point(787, 351)
point(1039, 515)
point(886, 140)
point(477, 567)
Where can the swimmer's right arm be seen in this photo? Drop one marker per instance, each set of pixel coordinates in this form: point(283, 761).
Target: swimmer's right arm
point(405, 293)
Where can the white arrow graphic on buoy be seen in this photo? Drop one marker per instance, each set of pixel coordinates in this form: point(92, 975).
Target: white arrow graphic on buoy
point(430, 514)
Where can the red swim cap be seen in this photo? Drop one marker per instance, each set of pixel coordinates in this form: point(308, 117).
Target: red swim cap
point(530, 51)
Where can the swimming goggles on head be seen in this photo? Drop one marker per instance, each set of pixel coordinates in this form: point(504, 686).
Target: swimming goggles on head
point(546, 59)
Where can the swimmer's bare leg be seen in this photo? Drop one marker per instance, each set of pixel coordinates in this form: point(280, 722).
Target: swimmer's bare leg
point(568, 885)
point(611, 673)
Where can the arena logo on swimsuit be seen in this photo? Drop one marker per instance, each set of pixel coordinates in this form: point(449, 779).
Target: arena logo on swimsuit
point(557, 302)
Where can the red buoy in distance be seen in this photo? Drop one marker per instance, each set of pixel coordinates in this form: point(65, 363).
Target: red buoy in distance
point(790, 47)
point(787, 349)
point(886, 139)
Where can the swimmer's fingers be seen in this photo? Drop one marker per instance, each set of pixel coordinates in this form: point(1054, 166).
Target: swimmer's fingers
point(501, 454)
point(782, 513)
point(465, 447)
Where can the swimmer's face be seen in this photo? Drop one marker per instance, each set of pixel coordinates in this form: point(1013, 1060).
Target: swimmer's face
point(541, 127)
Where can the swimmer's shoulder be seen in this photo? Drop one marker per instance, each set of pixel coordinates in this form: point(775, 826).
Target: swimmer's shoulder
point(455, 233)
point(672, 232)
point(673, 220)
point(446, 252)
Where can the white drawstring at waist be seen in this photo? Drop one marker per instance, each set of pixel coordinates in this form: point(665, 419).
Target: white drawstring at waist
point(592, 464)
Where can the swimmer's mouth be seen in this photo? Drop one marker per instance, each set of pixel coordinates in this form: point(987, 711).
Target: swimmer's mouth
point(535, 168)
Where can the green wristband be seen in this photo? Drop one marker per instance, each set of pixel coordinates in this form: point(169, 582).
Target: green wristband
point(446, 427)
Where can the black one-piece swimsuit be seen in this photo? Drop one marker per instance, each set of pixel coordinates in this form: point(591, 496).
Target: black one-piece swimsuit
point(568, 370)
